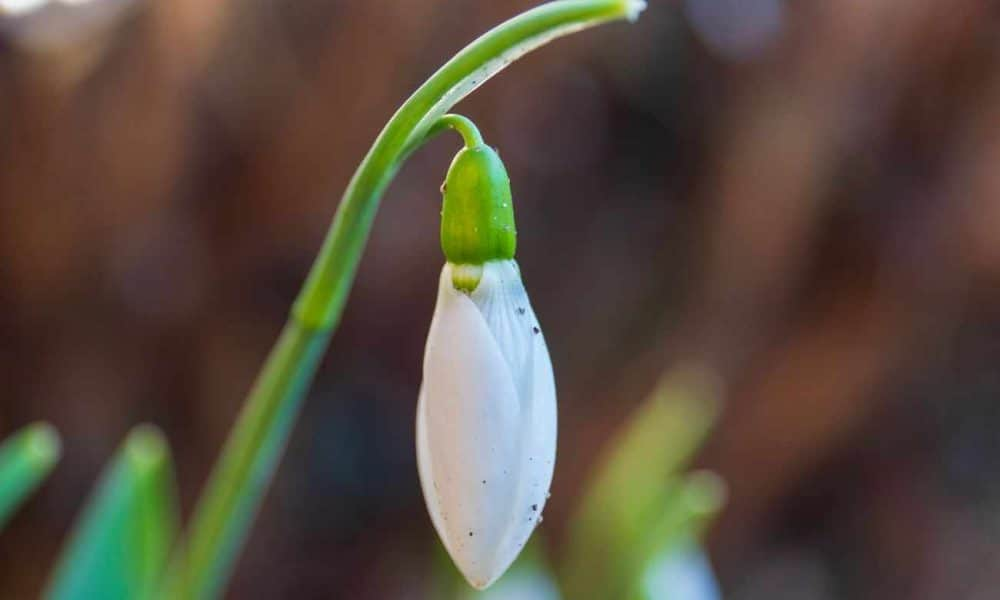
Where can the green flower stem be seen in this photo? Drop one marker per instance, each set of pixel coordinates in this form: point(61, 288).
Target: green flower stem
point(250, 456)
point(25, 459)
point(465, 127)
point(322, 299)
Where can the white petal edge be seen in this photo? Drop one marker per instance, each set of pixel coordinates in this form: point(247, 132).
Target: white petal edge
point(504, 304)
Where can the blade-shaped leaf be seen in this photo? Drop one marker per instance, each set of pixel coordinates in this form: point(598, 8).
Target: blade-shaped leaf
point(638, 501)
point(121, 541)
point(25, 459)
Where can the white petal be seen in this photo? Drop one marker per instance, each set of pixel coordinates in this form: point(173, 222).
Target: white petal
point(468, 407)
point(504, 304)
point(485, 422)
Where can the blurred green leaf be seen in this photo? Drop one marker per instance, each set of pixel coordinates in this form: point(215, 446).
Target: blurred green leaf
point(639, 501)
point(25, 459)
point(121, 541)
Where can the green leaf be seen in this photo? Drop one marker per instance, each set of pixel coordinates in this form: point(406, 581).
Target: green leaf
point(639, 501)
point(121, 541)
point(25, 459)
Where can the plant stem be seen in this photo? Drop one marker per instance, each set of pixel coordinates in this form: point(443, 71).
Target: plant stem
point(465, 128)
point(249, 458)
point(323, 297)
point(241, 476)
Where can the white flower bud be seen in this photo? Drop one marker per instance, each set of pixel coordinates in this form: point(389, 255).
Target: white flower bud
point(486, 421)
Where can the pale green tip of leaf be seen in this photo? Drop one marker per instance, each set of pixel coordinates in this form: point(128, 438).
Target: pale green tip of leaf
point(704, 494)
point(146, 449)
point(25, 459)
point(43, 446)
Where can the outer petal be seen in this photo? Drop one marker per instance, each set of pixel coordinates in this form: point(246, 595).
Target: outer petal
point(468, 459)
point(486, 422)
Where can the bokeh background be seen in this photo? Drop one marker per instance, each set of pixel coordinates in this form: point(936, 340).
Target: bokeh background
point(803, 195)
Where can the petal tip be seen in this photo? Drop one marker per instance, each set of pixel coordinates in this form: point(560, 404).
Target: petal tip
point(480, 578)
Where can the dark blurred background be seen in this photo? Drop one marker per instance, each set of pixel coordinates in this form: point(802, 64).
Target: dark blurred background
point(802, 194)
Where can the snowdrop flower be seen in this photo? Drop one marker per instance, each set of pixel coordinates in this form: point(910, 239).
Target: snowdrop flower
point(486, 416)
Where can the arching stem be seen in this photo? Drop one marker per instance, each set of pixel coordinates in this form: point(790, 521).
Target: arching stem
point(463, 125)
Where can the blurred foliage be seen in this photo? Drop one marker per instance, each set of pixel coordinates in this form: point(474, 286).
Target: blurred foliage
point(120, 544)
point(640, 502)
point(25, 459)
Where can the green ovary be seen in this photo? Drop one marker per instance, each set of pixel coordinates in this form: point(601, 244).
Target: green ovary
point(477, 221)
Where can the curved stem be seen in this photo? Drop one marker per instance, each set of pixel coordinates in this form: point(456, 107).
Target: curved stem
point(237, 484)
point(325, 292)
point(463, 125)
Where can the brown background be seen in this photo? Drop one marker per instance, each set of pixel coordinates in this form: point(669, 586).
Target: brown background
point(803, 195)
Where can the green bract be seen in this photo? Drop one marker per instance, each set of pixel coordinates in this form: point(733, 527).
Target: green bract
point(477, 220)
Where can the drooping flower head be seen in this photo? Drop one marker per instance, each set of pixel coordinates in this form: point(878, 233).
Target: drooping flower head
point(486, 416)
